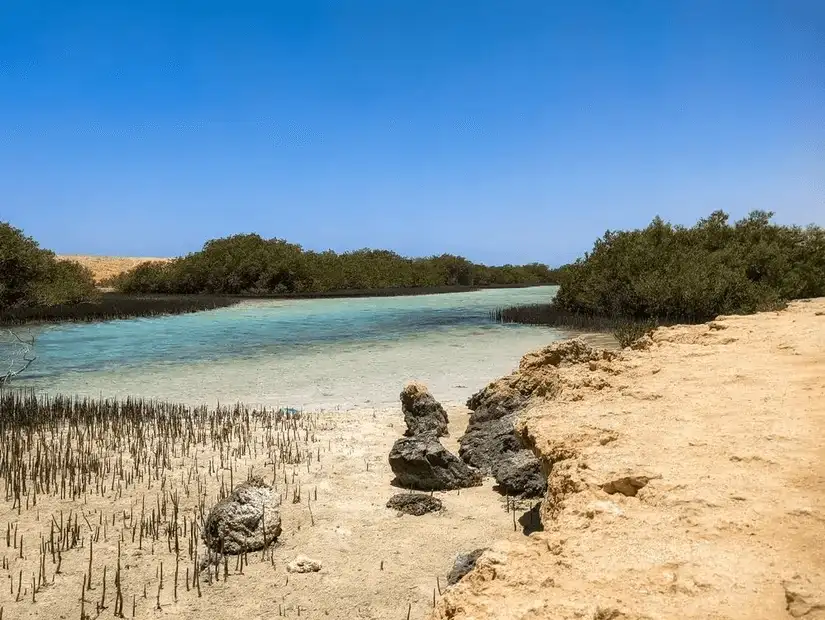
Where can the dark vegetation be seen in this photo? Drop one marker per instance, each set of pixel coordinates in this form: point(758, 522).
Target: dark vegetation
point(36, 287)
point(109, 306)
point(253, 266)
point(31, 276)
point(632, 281)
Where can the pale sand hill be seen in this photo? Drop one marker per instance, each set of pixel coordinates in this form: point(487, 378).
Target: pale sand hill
point(105, 267)
point(719, 432)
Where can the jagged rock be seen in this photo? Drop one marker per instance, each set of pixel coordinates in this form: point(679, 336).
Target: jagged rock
point(422, 412)
point(422, 463)
point(246, 520)
point(464, 563)
point(626, 485)
point(303, 564)
point(415, 504)
point(519, 473)
point(484, 443)
point(493, 447)
point(491, 443)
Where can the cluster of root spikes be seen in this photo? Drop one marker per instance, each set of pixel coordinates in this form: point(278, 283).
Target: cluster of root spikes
point(105, 500)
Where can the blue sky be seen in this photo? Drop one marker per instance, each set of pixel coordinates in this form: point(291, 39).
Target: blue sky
point(502, 131)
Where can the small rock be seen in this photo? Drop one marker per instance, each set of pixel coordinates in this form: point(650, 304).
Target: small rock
point(416, 504)
point(422, 463)
point(303, 564)
point(464, 563)
point(627, 485)
point(246, 520)
point(422, 412)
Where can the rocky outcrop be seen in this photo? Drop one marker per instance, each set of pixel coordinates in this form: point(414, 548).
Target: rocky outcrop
point(491, 443)
point(415, 504)
point(246, 520)
point(464, 563)
point(422, 463)
point(422, 412)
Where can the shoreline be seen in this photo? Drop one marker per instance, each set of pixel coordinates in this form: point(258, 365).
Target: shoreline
point(115, 306)
point(718, 424)
point(686, 479)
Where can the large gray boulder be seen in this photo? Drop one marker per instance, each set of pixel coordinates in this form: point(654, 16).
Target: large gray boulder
point(484, 443)
point(422, 463)
point(422, 412)
point(246, 520)
point(491, 444)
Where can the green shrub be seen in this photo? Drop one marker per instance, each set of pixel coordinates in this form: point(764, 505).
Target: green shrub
point(249, 264)
point(31, 276)
point(695, 274)
point(628, 332)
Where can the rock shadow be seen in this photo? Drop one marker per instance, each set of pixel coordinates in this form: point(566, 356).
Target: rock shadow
point(530, 521)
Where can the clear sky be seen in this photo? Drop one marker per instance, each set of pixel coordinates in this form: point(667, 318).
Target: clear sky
point(505, 131)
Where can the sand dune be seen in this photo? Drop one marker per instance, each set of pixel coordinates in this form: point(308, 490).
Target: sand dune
point(105, 267)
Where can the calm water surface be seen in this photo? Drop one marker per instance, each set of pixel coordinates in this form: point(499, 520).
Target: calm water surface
point(311, 353)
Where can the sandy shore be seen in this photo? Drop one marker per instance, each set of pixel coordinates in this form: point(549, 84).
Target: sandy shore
point(686, 480)
point(376, 563)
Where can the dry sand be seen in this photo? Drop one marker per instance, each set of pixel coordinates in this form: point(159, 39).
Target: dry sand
point(686, 480)
point(105, 267)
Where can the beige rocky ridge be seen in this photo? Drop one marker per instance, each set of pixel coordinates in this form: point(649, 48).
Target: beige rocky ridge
point(686, 478)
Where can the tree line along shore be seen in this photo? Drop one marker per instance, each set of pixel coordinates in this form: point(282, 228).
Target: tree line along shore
point(628, 282)
point(35, 286)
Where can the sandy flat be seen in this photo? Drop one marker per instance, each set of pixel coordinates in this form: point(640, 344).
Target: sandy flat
point(376, 563)
point(105, 267)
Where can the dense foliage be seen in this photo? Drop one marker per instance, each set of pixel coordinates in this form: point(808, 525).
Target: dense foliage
point(250, 265)
point(31, 276)
point(694, 274)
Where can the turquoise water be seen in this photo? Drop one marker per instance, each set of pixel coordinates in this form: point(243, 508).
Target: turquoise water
point(310, 353)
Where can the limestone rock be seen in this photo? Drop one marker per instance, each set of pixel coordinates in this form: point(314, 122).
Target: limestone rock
point(246, 520)
point(416, 504)
point(303, 564)
point(464, 563)
point(422, 463)
point(422, 412)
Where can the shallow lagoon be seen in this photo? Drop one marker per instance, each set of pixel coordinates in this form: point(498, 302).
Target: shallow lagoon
point(305, 353)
